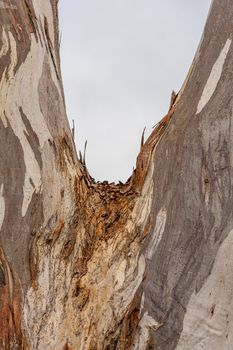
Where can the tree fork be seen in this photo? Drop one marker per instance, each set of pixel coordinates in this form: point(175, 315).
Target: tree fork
point(88, 265)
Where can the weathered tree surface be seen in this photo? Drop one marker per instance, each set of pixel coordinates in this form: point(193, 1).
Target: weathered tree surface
point(90, 266)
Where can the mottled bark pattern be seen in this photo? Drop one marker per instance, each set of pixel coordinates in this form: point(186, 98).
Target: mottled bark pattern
point(87, 265)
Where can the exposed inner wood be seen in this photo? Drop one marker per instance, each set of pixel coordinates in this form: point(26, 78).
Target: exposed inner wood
point(102, 214)
point(106, 207)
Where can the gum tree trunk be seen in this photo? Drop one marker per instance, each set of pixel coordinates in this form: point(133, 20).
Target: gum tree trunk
point(90, 266)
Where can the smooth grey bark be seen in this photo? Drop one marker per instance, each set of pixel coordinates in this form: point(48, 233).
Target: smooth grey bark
point(86, 265)
point(186, 289)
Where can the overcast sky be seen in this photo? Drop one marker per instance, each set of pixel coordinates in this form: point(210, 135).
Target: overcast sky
point(120, 61)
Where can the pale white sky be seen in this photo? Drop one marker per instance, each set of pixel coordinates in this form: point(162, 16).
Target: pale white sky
point(120, 61)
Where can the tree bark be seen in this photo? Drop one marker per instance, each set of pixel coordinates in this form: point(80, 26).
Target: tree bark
point(88, 265)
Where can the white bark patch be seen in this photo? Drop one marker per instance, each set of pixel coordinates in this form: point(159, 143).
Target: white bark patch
point(31, 104)
point(158, 232)
point(28, 189)
point(146, 323)
point(119, 277)
point(141, 210)
point(30, 100)
point(214, 77)
point(130, 290)
point(5, 44)
point(208, 323)
point(20, 82)
point(2, 206)
point(23, 85)
point(43, 9)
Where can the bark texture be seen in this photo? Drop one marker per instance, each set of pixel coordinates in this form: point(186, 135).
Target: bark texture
point(87, 265)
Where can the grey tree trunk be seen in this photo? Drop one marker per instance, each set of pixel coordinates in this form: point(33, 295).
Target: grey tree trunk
point(91, 266)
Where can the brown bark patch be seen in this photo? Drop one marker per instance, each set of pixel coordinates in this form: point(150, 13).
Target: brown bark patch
point(10, 305)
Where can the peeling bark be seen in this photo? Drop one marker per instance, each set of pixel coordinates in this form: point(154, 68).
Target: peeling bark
point(88, 265)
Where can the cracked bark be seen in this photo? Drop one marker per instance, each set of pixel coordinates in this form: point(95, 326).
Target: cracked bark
point(87, 265)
